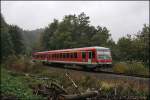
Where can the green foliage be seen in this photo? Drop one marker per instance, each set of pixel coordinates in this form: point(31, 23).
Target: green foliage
point(125, 48)
point(131, 68)
point(15, 85)
point(11, 40)
point(137, 48)
point(120, 67)
point(5, 44)
point(19, 63)
point(16, 39)
point(137, 68)
point(31, 40)
point(74, 31)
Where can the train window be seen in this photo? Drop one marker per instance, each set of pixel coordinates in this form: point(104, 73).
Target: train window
point(57, 55)
point(75, 55)
point(90, 54)
point(54, 56)
point(71, 55)
point(64, 55)
point(67, 55)
point(93, 54)
point(60, 55)
point(83, 55)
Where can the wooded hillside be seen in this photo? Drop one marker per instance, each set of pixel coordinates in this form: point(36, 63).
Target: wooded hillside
point(73, 31)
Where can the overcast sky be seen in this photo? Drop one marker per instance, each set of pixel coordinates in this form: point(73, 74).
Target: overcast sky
point(121, 18)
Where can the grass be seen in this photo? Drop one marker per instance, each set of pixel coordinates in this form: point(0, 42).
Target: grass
point(131, 68)
point(15, 84)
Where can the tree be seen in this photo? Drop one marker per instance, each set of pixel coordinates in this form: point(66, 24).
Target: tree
point(125, 48)
point(16, 39)
point(47, 35)
point(141, 43)
point(74, 31)
point(101, 37)
point(136, 48)
point(6, 44)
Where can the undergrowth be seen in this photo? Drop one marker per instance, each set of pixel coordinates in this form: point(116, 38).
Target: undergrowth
point(131, 68)
point(16, 86)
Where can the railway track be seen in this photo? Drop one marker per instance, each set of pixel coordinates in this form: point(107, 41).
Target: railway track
point(77, 68)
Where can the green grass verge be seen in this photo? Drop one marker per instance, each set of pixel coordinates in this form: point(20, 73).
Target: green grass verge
point(16, 86)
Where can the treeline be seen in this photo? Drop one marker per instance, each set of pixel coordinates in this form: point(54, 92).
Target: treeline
point(72, 32)
point(16, 41)
point(75, 31)
point(11, 40)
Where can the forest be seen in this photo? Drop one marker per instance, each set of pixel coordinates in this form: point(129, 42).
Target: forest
point(72, 32)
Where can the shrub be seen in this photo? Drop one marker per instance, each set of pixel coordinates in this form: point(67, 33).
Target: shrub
point(137, 68)
point(120, 67)
point(23, 64)
point(18, 63)
point(16, 86)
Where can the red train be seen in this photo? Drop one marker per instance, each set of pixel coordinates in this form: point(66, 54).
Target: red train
point(91, 57)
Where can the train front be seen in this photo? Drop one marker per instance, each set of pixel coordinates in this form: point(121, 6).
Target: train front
point(104, 57)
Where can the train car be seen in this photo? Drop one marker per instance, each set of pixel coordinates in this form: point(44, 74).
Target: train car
point(90, 57)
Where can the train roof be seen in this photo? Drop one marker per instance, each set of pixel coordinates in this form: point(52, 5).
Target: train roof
point(73, 49)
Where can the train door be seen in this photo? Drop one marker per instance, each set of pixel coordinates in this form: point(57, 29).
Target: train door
point(83, 56)
point(89, 57)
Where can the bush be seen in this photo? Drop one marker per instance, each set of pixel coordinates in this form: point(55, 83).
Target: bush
point(16, 87)
point(137, 68)
point(120, 67)
point(131, 68)
point(21, 63)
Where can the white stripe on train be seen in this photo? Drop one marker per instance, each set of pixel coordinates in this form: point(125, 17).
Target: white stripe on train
point(70, 62)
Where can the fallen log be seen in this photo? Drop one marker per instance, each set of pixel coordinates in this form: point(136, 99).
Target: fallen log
point(81, 96)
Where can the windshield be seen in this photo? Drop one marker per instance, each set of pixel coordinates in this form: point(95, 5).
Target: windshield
point(103, 54)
